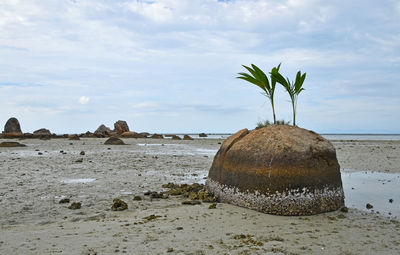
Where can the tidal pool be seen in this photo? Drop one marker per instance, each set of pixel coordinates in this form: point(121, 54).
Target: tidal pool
point(381, 190)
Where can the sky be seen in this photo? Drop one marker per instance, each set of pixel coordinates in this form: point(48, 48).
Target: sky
point(170, 65)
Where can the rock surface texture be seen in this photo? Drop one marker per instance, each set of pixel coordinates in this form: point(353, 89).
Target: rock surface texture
point(12, 126)
point(120, 127)
point(280, 169)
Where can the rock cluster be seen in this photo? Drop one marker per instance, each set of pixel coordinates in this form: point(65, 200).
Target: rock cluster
point(279, 169)
point(102, 130)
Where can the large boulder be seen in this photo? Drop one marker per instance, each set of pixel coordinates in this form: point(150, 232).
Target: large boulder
point(114, 141)
point(12, 126)
point(120, 127)
point(102, 130)
point(187, 137)
point(42, 133)
point(157, 136)
point(279, 169)
point(203, 135)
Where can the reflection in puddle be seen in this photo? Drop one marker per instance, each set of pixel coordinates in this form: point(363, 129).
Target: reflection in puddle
point(381, 190)
point(73, 181)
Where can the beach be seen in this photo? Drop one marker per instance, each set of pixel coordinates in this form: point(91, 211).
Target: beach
point(35, 178)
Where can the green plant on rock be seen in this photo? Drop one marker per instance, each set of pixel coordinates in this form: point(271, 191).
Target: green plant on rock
point(292, 88)
point(267, 123)
point(260, 79)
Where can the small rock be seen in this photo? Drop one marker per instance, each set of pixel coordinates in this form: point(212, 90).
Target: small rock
point(39, 153)
point(82, 153)
point(119, 205)
point(114, 141)
point(80, 160)
point(191, 202)
point(344, 209)
point(391, 200)
point(64, 201)
point(170, 249)
point(137, 198)
point(213, 206)
point(75, 206)
point(369, 206)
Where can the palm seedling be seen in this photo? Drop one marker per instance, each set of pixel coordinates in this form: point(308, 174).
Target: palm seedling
point(292, 88)
point(258, 78)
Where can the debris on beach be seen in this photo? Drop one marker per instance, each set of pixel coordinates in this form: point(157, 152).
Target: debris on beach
point(75, 206)
point(194, 191)
point(119, 205)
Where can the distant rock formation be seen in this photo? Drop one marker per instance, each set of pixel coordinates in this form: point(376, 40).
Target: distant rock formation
point(203, 135)
point(114, 141)
point(279, 169)
point(73, 137)
point(175, 137)
point(132, 135)
point(102, 130)
point(12, 126)
point(157, 136)
point(120, 127)
point(42, 133)
point(187, 137)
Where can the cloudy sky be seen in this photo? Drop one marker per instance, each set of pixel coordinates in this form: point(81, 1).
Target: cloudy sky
point(170, 65)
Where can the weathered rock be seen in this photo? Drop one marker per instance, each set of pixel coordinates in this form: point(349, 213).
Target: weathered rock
point(119, 205)
point(120, 127)
point(145, 134)
point(114, 141)
point(175, 137)
point(12, 135)
point(75, 206)
point(132, 135)
point(187, 137)
point(73, 137)
point(203, 135)
point(157, 136)
point(12, 126)
point(279, 169)
point(11, 144)
point(102, 130)
point(42, 131)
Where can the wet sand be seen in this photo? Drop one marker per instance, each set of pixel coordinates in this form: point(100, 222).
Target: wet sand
point(35, 178)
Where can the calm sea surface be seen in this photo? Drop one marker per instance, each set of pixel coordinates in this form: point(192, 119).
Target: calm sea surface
point(389, 137)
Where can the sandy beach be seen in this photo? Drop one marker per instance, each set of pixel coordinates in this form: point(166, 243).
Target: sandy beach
point(35, 178)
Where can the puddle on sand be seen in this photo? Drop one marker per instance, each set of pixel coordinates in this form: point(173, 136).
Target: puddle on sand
point(73, 181)
point(377, 189)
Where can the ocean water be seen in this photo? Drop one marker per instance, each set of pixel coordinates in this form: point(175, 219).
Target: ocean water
point(356, 137)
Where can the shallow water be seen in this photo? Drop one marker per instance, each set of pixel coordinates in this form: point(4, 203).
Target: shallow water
point(374, 188)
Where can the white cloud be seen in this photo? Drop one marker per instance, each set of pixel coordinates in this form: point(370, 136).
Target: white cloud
point(84, 100)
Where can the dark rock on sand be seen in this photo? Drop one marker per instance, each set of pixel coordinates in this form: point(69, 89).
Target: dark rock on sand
point(102, 130)
point(369, 206)
point(175, 137)
point(157, 136)
point(12, 126)
point(114, 141)
point(119, 205)
point(11, 144)
point(75, 206)
point(187, 137)
point(64, 201)
point(145, 134)
point(73, 137)
point(203, 135)
point(279, 169)
point(120, 127)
